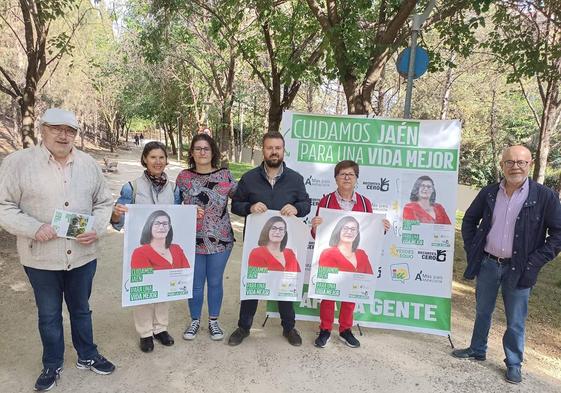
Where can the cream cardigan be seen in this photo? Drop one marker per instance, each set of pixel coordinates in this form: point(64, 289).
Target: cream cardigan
point(30, 191)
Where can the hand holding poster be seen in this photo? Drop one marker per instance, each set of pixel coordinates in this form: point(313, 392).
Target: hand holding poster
point(159, 253)
point(348, 245)
point(273, 257)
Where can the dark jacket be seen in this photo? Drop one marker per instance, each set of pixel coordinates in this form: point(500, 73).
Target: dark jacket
point(540, 216)
point(254, 187)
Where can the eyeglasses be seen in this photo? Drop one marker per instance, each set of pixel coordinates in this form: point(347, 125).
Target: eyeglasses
point(59, 131)
point(163, 224)
point(277, 229)
point(346, 175)
point(349, 229)
point(199, 149)
point(521, 163)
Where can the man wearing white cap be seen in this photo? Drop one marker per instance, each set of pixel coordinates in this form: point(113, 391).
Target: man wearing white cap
point(34, 183)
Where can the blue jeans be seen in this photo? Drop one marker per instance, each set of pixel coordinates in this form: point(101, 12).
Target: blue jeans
point(209, 268)
point(492, 276)
point(49, 287)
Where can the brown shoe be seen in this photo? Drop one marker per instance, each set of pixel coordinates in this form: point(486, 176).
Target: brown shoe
point(293, 337)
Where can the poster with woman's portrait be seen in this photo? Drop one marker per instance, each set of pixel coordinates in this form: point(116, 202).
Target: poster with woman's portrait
point(274, 256)
point(427, 214)
point(348, 249)
point(158, 254)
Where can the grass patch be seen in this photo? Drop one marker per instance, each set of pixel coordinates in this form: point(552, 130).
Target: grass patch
point(238, 169)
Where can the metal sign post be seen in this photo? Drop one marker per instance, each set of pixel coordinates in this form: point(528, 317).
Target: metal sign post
point(418, 21)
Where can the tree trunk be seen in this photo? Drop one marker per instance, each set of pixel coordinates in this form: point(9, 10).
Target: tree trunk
point(27, 106)
point(549, 121)
point(445, 103)
point(226, 129)
point(172, 141)
point(353, 95)
point(493, 134)
point(274, 116)
point(180, 138)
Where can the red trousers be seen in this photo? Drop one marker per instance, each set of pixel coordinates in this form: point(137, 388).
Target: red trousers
point(327, 315)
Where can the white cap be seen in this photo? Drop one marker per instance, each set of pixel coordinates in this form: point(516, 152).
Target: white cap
point(58, 117)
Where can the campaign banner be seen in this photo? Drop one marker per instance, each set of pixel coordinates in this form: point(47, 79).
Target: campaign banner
point(273, 257)
point(158, 254)
point(346, 247)
point(409, 171)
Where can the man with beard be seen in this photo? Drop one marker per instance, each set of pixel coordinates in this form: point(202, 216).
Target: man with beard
point(510, 231)
point(273, 186)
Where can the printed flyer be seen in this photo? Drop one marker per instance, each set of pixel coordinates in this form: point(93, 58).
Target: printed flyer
point(409, 171)
point(274, 254)
point(347, 245)
point(158, 254)
point(69, 225)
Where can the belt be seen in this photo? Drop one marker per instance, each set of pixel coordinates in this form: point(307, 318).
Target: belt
point(501, 261)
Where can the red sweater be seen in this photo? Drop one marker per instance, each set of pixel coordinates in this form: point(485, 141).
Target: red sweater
point(332, 257)
point(329, 201)
point(146, 257)
point(413, 211)
point(262, 257)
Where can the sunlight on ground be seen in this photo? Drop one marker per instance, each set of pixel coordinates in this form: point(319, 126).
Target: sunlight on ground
point(462, 289)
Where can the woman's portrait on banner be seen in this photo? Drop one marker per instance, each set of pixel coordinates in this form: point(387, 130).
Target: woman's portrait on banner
point(272, 252)
point(343, 252)
point(422, 204)
point(157, 250)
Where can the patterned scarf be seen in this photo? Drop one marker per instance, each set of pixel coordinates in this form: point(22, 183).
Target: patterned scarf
point(158, 183)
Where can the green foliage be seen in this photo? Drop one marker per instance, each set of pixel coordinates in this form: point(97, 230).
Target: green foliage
point(238, 169)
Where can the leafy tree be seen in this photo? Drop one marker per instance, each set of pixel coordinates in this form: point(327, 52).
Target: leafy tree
point(527, 41)
point(31, 23)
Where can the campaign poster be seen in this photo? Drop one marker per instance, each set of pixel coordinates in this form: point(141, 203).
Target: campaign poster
point(274, 255)
point(409, 171)
point(348, 246)
point(158, 254)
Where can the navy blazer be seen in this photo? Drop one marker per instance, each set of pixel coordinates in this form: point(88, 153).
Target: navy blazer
point(537, 233)
point(254, 187)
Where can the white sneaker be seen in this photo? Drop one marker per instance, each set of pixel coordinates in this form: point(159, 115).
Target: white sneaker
point(214, 329)
point(192, 329)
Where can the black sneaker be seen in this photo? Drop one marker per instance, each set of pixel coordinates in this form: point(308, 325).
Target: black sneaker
point(215, 331)
point(238, 336)
point(164, 338)
point(47, 379)
point(191, 331)
point(146, 344)
point(323, 338)
point(467, 353)
point(348, 338)
point(98, 364)
point(293, 337)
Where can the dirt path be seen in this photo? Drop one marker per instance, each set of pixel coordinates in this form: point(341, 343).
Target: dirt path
point(388, 361)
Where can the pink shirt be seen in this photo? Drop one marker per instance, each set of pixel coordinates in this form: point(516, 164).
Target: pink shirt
point(63, 171)
point(501, 235)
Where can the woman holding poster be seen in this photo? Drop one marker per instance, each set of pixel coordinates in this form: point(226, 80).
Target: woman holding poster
point(157, 252)
point(423, 207)
point(154, 188)
point(272, 253)
point(346, 234)
point(208, 186)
